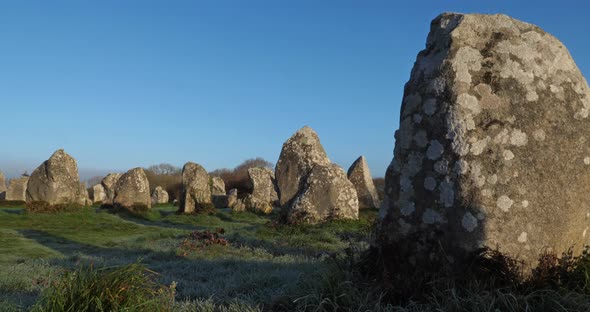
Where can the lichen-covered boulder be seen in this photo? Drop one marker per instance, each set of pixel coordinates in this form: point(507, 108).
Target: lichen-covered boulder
point(217, 186)
point(298, 156)
point(109, 182)
point(327, 194)
point(159, 196)
point(56, 182)
point(196, 192)
point(492, 148)
point(263, 185)
point(360, 176)
point(99, 193)
point(2, 186)
point(132, 191)
point(17, 189)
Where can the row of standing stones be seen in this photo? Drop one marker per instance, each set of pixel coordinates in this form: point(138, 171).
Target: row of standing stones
point(305, 184)
point(492, 151)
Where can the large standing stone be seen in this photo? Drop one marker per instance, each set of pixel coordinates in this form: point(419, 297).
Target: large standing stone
point(17, 189)
point(299, 155)
point(360, 176)
point(99, 194)
point(492, 148)
point(196, 192)
point(311, 189)
point(109, 182)
point(326, 195)
point(132, 190)
point(160, 196)
point(2, 186)
point(56, 182)
point(217, 186)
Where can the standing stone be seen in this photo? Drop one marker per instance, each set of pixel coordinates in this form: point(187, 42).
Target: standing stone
point(264, 194)
point(17, 189)
point(326, 195)
point(56, 182)
point(311, 189)
point(491, 147)
point(132, 191)
point(159, 196)
point(233, 198)
point(299, 155)
point(196, 192)
point(217, 186)
point(263, 184)
point(360, 176)
point(83, 197)
point(109, 182)
point(2, 186)
point(100, 195)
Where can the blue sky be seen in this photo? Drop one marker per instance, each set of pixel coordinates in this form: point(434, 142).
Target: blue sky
point(121, 84)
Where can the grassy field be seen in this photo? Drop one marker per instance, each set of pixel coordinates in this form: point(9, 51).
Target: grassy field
point(262, 264)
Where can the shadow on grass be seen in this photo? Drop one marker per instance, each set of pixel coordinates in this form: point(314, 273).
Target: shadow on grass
point(226, 276)
point(18, 211)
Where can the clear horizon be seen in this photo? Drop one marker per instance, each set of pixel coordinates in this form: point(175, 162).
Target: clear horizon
point(123, 85)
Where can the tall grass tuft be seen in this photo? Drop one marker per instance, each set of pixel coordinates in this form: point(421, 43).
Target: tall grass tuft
point(131, 287)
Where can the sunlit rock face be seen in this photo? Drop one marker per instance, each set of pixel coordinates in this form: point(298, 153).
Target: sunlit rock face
point(196, 190)
point(492, 148)
point(360, 176)
point(133, 190)
point(311, 189)
point(56, 182)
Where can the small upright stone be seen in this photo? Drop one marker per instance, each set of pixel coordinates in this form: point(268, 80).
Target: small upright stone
point(360, 176)
point(109, 182)
point(196, 192)
point(2, 186)
point(17, 189)
point(159, 196)
point(132, 191)
point(264, 191)
point(99, 194)
point(217, 186)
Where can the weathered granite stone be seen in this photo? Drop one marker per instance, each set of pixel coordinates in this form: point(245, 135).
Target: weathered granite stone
point(326, 195)
point(233, 198)
point(132, 190)
point(83, 196)
point(159, 196)
point(196, 192)
point(17, 189)
point(217, 186)
point(360, 176)
point(109, 182)
point(99, 193)
point(499, 155)
point(298, 156)
point(2, 186)
point(263, 186)
point(56, 182)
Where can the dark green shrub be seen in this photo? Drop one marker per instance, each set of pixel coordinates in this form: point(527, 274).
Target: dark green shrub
point(131, 287)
